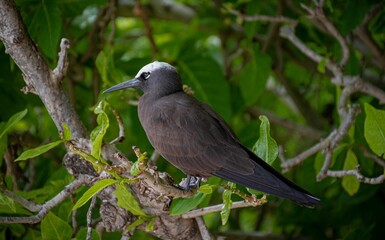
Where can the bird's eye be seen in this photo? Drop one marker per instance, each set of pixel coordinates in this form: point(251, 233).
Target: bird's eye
point(145, 75)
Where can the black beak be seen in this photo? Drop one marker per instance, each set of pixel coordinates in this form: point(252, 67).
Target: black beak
point(134, 83)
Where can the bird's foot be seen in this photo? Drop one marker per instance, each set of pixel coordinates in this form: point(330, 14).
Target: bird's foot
point(189, 183)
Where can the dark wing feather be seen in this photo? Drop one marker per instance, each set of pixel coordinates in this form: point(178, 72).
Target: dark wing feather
point(182, 130)
point(266, 179)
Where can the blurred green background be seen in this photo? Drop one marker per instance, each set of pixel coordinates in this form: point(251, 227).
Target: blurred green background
point(242, 69)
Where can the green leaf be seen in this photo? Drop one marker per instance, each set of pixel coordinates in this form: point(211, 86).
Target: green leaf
point(127, 201)
point(350, 183)
point(12, 121)
point(31, 153)
point(140, 164)
point(53, 227)
point(353, 66)
point(45, 27)
point(3, 144)
point(352, 15)
point(6, 204)
point(97, 187)
point(319, 161)
point(253, 191)
point(182, 205)
point(150, 225)
point(251, 27)
point(98, 133)
point(135, 170)
point(82, 234)
point(66, 132)
point(227, 204)
point(254, 76)
point(136, 223)
point(321, 65)
point(265, 147)
point(31, 234)
point(206, 189)
point(17, 230)
point(374, 129)
point(102, 63)
point(106, 67)
point(205, 76)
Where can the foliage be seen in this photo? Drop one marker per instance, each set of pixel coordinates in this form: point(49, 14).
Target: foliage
point(243, 69)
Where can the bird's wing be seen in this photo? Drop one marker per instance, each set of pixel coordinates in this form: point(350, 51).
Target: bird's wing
point(266, 179)
point(261, 176)
point(193, 139)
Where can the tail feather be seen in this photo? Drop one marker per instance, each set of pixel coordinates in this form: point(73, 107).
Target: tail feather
point(268, 180)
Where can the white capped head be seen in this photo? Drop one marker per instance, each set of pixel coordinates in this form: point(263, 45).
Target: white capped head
point(151, 67)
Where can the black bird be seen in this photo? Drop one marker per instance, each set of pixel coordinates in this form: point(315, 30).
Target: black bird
point(190, 135)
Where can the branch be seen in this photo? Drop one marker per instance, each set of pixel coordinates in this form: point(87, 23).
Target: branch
point(288, 33)
point(138, 10)
point(289, 163)
point(89, 218)
point(327, 162)
point(61, 69)
point(46, 207)
point(217, 208)
point(202, 228)
point(357, 84)
point(31, 206)
point(357, 174)
point(262, 18)
point(364, 35)
point(373, 156)
point(318, 13)
point(331, 141)
point(154, 158)
point(121, 136)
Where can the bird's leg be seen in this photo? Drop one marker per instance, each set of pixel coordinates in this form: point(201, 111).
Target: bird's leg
point(195, 182)
point(189, 182)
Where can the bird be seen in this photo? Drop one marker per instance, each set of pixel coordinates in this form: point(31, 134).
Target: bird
point(194, 138)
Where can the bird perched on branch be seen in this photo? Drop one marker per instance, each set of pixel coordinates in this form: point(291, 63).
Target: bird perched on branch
point(194, 138)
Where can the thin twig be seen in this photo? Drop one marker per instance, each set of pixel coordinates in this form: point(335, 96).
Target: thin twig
point(360, 85)
point(357, 174)
point(154, 158)
point(112, 6)
point(139, 11)
point(217, 208)
point(318, 13)
point(326, 164)
point(47, 206)
point(31, 206)
point(288, 33)
point(373, 156)
point(202, 228)
point(334, 138)
point(89, 218)
point(121, 136)
point(301, 130)
point(62, 64)
point(262, 18)
point(74, 221)
point(285, 165)
point(133, 102)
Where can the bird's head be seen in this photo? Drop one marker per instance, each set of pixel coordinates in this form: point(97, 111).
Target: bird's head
point(158, 78)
